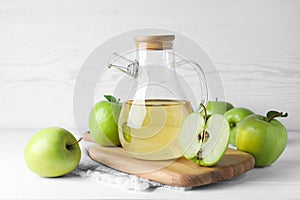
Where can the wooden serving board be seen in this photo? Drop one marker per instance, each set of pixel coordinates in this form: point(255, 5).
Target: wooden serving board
point(180, 172)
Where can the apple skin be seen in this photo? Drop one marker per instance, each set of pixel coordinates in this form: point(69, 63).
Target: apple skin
point(264, 140)
point(103, 123)
point(47, 153)
point(218, 107)
point(224, 128)
point(234, 116)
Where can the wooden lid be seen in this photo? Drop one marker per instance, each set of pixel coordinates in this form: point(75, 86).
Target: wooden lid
point(155, 42)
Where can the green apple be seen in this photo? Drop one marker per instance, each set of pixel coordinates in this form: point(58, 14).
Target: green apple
point(202, 141)
point(103, 122)
point(234, 116)
point(52, 152)
point(218, 107)
point(263, 137)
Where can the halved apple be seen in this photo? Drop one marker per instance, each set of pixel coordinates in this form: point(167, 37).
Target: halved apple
point(204, 142)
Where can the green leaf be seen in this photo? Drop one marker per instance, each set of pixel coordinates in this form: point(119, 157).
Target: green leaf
point(110, 98)
point(272, 114)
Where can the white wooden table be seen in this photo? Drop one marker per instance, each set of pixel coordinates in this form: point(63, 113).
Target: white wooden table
point(279, 181)
point(255, 45)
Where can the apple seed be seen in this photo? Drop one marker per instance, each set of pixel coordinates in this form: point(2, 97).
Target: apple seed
point(206, 134)
point(199, 136)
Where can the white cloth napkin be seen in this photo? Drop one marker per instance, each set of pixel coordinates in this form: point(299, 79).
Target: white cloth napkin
point(88, 168)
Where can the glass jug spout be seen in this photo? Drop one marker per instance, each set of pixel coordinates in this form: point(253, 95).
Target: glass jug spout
point(123, 64)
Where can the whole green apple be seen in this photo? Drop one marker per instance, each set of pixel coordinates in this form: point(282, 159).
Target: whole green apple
point(263, 137)
point(103, 122)
point(52, 152)
point(218, 107)
point(234, 116)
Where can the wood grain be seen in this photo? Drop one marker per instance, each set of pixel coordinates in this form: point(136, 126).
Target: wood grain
point(180, 172)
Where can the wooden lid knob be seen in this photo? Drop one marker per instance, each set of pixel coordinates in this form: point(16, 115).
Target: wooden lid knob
point(155, 42)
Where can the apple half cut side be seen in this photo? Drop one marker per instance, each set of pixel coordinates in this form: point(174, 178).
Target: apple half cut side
point(208, 148)
point(192, 126)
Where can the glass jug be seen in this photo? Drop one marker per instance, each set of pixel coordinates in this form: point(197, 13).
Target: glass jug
point(151, 116)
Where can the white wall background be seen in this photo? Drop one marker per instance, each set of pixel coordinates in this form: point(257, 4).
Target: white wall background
point(255, 45)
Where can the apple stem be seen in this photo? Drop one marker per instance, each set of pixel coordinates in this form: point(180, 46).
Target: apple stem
point(205, 111)
point(73, 144)
point(273, 114)
point(278, 114)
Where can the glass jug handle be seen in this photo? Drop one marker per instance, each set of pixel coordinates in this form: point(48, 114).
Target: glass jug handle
point(200, 71)
point(130, 67)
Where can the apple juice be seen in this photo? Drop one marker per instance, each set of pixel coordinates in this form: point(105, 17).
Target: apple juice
point(149, 129)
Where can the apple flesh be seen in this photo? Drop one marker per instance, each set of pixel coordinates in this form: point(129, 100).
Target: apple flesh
point(264, 139)
point(204, 142)
point(103, 123)
point(216, 140)
point(234, 116)
point(52, 152)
